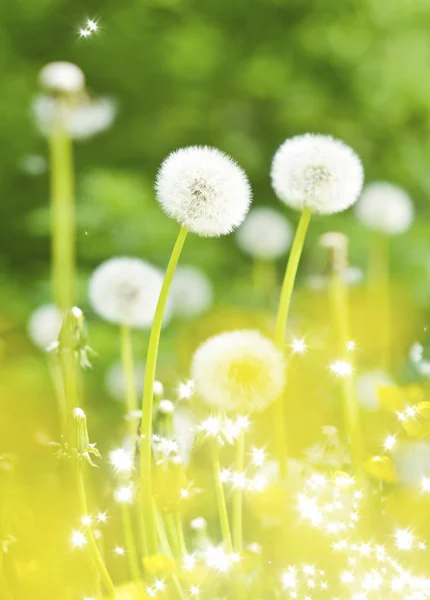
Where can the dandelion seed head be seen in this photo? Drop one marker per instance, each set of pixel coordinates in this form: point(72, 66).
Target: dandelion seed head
point(125, 291)
point(62, 77)
point(385, 208)
point(204, 190)
point(238, 370)
point(317, 172)
point(191, 292)
point(265, 234)
point(44, 326)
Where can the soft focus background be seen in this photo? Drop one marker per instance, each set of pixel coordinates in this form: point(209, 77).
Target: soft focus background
point(241, 76)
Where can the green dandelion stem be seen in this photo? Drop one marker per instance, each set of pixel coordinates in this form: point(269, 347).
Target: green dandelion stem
point(281, 325)
point(97, 558)
point(62, 211)
point(147, 400)
point(220, 498)
point(379, 296)
point(130, 546)
point(128, 370)
point(180, 534)
point(339, 301)
point(238, 496)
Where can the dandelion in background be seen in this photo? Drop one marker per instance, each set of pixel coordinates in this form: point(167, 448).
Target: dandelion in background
point(385, 208)
point(62, 78)
point(125, 291)
point(238, 371)
point(83, 118)
point(266, 234)
point(44, 326)
point(115, 380)
point(191, 292)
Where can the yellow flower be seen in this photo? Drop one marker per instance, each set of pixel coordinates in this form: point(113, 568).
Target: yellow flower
point(381, 468)
point(159, 565)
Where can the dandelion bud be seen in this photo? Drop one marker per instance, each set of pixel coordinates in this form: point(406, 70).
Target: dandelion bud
point(316, 172)
point(72, 331)
point(385, 208)
point(337, 245)
point(238, 370)
point(62, 77)
point(82, 438)
point(204, 190)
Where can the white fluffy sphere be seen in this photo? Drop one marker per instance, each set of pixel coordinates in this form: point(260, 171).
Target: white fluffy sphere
point(266, 234)
point(115, 380)
point(238, 371)
point(203, 189)
point(191, 292)
point(317, 172)
point(385, 208)
point(62, 77)
point(44, 325)
point(125, 291)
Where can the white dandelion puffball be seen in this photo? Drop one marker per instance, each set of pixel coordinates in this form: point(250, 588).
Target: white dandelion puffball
point(115, 381)
point(266, 234)
point(125, 291)
point(238, 370)
point(316, 172)
point(385, 208)
point(82, 119)
point(44, 325)
point(204, 190)
point(63, 77)
point(367, 387)
point(191, 292)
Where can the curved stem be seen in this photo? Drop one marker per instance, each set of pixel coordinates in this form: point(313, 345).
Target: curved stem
point(147, 400)
point(220, 498)
point(281, 325)
point(62, 210)
point(238, 496)
point(98, 560)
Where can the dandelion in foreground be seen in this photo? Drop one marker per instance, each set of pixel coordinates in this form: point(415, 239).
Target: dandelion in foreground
point(62, 77)
point(385, 208)
point(238, 370)
point(317, 172)
point(44, 326)
point(266, 234)
point(125, 291)
point(204, 190)
point(191, 293)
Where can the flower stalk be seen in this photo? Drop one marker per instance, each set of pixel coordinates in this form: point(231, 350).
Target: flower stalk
point(147, 400)
point(237, 517)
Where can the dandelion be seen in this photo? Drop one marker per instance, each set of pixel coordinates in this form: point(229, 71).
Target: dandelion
point(82, 119)
point(115, 380)
point(266, 234)
point(204, 190)
point(385, 208)
point(62, 77)
point(317, 172)
point(44, 326)
point(238, 371)
point(208, 194)
point(125, 291)
point(191, 293)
